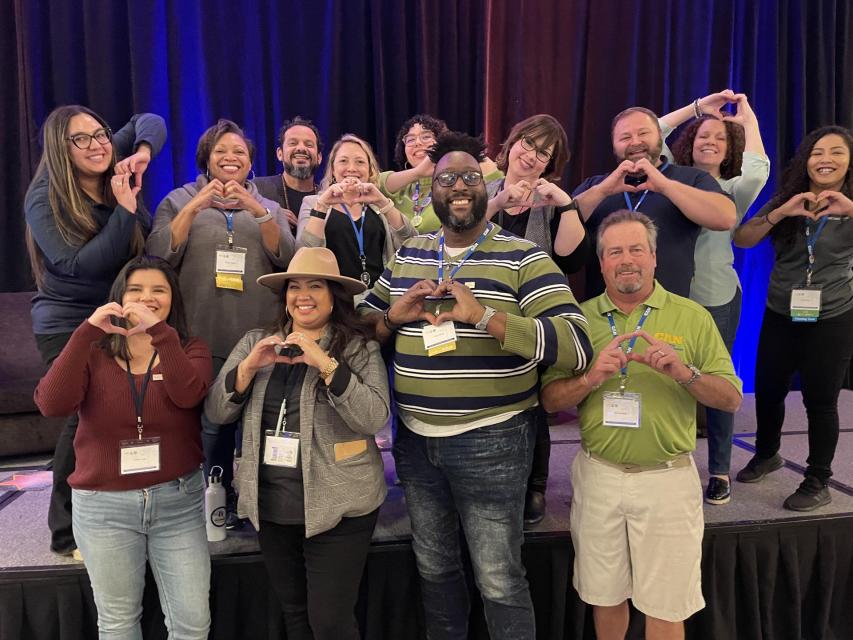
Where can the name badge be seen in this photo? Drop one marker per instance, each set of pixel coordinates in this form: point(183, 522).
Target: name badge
point(805, 305)
point(621, 410)
point(139, 456)
point(230, 267)
point(439, 338)
point(281, 450)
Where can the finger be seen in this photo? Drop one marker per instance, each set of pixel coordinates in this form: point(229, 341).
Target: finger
point(111, 328)
point(444, 316)
point(139, 328)
point(647, 337)
point(137, 177)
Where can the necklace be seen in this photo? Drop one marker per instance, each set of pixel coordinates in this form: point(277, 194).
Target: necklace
point(286, 199)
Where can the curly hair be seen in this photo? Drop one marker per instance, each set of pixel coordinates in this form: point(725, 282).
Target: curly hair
point(551, 131)
point(209, 138)
point(428, 122)
point(451, 141)
point(795, 179)
point(682, 148)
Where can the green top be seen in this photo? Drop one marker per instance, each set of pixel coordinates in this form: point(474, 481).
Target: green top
point(667, 410)
point(404, 202)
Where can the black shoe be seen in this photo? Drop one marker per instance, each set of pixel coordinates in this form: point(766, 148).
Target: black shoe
point(757, 468)
point(719, 491)
point(534, 507)
point(811, 494)
point(232, 520)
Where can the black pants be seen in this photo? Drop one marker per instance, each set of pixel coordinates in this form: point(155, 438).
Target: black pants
point(538, 479)
point(820, 352)
point(316, 579)
point(59, 510)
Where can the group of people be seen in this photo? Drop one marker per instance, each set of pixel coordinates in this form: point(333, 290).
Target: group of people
point(268, 314)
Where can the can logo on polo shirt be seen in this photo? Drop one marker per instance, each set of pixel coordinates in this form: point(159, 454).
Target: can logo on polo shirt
point(675, 341)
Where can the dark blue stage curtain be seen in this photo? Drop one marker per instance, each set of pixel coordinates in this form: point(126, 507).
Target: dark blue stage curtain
point(585, 60)
point(365, 65)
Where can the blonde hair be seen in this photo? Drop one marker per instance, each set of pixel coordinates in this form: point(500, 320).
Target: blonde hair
point(373, 165)
point(71, 207)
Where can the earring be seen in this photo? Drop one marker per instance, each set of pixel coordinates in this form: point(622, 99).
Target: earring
point(251, 171)
point(207, 173)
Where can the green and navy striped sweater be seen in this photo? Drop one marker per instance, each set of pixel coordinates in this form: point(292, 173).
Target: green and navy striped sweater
point(483, 378)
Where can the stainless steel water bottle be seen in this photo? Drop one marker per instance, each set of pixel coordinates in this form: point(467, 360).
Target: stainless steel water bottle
point(214, 506)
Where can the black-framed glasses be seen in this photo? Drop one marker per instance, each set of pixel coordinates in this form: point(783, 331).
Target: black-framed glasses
point(541, 155)
point(449, 178)
point(84, 140)
point(425, 137)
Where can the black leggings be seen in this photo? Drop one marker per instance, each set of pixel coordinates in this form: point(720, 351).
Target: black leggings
point(820, 352)
point(59, 510)
point(316, 579)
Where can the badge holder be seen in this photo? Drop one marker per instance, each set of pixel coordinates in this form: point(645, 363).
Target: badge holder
point(805, 304)
point(281, 448)
point(621, 409)
point(230, 267)
point(139, 456)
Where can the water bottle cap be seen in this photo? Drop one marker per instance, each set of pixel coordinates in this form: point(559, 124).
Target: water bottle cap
point(216, 478)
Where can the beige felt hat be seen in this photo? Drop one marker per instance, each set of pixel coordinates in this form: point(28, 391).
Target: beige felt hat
point(312, 262)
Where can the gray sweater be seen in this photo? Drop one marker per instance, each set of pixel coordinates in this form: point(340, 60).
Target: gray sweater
point(352, 485)
point(221, 316)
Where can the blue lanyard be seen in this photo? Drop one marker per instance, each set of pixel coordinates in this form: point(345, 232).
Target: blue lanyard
point(229, 225)
point(635, 207)
point(624, 378)
point(811, 241)
point(359, 231)
point(416, 198)
point(471, 250)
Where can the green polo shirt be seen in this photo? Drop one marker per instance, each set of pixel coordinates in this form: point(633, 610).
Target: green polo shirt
point(404, 203)
point(668, 411)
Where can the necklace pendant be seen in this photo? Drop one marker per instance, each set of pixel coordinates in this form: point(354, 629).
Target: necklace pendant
point(417, 219)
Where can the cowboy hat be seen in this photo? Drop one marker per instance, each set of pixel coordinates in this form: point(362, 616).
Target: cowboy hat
point(312, 262)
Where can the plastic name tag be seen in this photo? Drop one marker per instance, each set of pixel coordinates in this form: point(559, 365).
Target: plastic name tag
point(439, 338)
point(621, 410)
point(281, 450)
point(230, 260)
point(805, 305)
point(139, 456)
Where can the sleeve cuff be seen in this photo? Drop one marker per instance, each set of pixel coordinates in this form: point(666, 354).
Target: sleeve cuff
point(340, 381)
point(231, 383)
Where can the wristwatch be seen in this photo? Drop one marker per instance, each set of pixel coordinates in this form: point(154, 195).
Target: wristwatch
point(266, 218)
point(696, 375)
point(484, 321)
point(330, 368)
point(315, 213)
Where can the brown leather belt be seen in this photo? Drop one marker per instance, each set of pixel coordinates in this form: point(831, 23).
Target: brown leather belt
point(681, 460)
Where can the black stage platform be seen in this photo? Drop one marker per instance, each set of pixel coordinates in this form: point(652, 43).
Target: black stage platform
point(768, 574)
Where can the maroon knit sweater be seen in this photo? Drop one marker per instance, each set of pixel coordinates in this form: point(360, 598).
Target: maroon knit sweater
point(86, 380)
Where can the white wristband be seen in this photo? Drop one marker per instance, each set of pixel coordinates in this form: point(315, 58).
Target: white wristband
point(265, 218)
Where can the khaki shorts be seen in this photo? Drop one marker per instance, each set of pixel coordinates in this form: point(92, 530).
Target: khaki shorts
point(638, 536)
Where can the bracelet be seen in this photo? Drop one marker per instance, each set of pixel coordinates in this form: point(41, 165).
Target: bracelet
point(316, 213)
point(588, 383)
point(696, 374)
point(572, 206)
point(329, 369)
point(488, 313)
point(387, 207)
point(265, 218)
point(697, 112)
point(387, 322)
point(768, 221)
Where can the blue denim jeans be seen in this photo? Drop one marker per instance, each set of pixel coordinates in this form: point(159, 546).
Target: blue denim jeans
point(478, 478)
point(721, 424)
point(117, 531)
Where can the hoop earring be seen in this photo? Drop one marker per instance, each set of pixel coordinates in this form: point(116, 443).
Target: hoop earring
point(207, 173)
point(252, 171)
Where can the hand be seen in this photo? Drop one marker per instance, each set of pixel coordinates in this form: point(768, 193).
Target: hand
point(292, 219)
point(425, 168)
point(263, 354)
point(369, 193)
point(467, 308)
point(796, 206)
point(410, 306)
point(833, 203)
point(713, 103)
point(661, 357)
point(615, 182)
point(140, 317)
point(135, 164)
point(518, 194)
point(743, 114)
point(204, 198)
point(609, 361)
point(233, 190)
point(344, 191)
point(655, 180)
point(102, 318)
point(549, 193)
point(124, 193)
point(312, 354)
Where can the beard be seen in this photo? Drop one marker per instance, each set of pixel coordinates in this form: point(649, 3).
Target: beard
point(300, 172)
point(629, 286)
point(479, 204)
point(652, 153)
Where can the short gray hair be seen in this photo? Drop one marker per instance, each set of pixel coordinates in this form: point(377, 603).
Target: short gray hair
point(622, 216)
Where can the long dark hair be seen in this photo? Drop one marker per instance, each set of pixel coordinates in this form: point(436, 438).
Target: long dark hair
point(732, 164)
point(795, 179)
point(345, 323)
point(116, 345)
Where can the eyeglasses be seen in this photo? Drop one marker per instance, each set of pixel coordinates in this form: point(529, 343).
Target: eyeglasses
point(449, 178)
point(84, 140)
point(427, 137)
point(541, 154)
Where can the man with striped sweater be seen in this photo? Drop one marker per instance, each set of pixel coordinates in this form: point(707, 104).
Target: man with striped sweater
point(474, 313)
